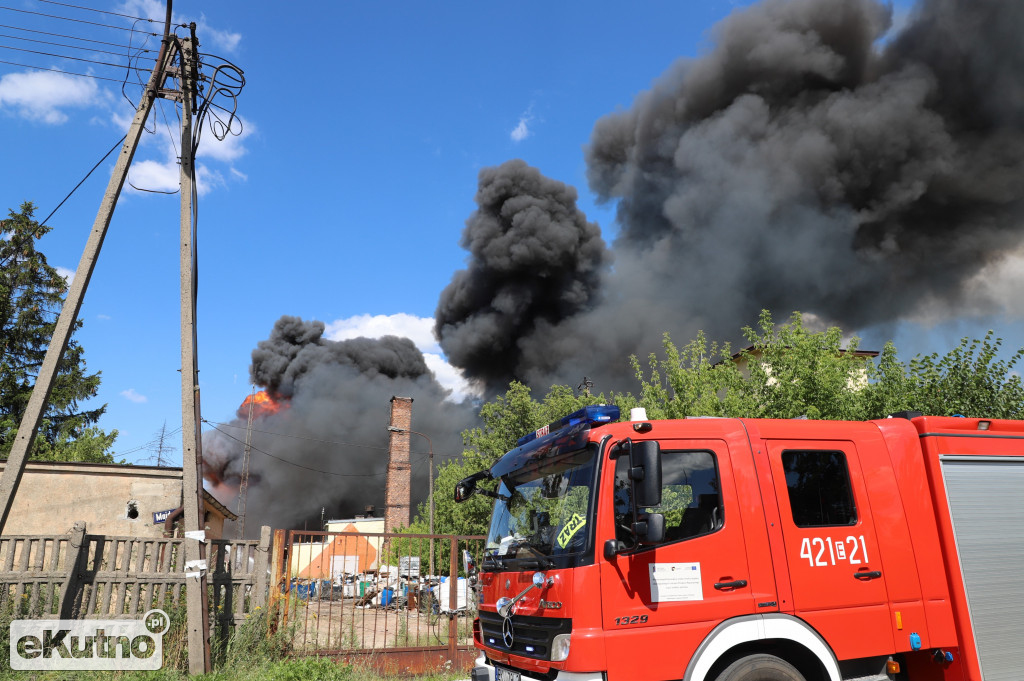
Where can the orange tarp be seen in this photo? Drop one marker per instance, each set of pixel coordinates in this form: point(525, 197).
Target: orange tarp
point(320, 566)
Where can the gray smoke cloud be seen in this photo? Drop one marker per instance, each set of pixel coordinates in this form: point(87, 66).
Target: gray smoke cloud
point(808, 161)
point(335, 398)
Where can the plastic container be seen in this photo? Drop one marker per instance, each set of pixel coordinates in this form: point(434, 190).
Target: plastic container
point(386, 596)
point(442, 594)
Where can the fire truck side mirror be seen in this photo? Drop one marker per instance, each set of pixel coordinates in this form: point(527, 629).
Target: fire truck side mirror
point(464, 490)
point(645, 471)
point(466, 487)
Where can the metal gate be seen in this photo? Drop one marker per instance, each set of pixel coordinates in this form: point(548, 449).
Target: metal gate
point(402, 602)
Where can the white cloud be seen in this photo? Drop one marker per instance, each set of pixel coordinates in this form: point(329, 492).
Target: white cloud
point(69, 275)
point(133, 396)
point(43, 96)
point(231, 147)
point(164, 177)
point(420, 330)
point(450, 377)
point(154, 176)
point(226, 41)
point(522, 130)
point(104, 317)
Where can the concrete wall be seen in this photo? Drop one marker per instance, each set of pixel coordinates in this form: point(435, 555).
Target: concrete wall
point(111, 499)
point(52, 496)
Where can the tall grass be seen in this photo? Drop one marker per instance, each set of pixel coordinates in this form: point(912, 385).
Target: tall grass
point(251, 651)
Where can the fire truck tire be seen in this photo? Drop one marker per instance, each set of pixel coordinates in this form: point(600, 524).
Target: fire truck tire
point(760, 668)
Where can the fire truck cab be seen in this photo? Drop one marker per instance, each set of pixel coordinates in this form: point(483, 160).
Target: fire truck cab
point(715, 549)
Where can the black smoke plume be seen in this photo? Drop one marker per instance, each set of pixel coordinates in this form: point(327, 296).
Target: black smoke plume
point(535, 260)
point(813, 159)
point(335, 398)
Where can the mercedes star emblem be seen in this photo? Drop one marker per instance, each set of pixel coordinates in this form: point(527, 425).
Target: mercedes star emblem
point(508, 635)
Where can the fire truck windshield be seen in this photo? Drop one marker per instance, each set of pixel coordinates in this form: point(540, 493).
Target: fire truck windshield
point(543, 516)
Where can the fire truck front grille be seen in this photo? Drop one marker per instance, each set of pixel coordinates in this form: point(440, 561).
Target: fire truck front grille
point(532, 636)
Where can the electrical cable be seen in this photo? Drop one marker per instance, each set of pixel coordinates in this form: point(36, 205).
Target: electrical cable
point(73, 47)
point(313, 439)
point(41, 224)
point(66, 73)
point(128, 72)
point(65, 56)
point(63, 35)
point(64, 200)
point(297, 465)
point(300, 437)
point(101, 11)
point(80, 21)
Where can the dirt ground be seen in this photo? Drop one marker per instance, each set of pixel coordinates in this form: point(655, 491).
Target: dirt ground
point(334, 625)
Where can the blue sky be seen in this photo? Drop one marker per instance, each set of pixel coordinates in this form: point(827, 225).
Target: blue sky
point(364, 128)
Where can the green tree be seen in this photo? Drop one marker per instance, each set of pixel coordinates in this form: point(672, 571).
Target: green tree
point(790, 371)
point(969, 380)
point(699, 379)
point(796, 372)
point(31, 295)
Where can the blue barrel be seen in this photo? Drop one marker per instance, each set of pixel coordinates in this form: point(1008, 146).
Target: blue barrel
point(386, 596)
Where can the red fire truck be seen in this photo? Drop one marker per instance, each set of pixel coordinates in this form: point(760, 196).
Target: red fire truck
point(754, 550)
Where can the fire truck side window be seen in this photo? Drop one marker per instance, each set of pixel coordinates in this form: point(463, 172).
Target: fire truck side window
point(690, 499)
point(689, 494)
point(819, 488)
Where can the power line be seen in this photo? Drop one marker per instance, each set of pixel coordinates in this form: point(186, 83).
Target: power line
point(297, 465)
point(66, 73)
point(80, 182)
point(64, 35)
point(73, 47)
point(300, 437)
point(66, 56)
point(101, 11)
point(80, 21)
point(116, 145)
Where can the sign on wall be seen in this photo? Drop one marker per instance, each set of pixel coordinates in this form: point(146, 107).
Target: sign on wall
point(161, 516)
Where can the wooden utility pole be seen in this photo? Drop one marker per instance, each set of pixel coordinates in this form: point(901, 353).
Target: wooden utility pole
point(76, 293)
point(197, 605)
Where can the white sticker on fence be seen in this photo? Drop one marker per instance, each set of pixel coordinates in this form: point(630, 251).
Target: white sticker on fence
point(108, 645)
point(196, 534)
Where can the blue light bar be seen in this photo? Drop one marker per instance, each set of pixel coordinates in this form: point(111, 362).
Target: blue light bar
point(594, 414)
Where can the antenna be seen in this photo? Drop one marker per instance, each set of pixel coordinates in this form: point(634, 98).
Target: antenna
point(243, 487)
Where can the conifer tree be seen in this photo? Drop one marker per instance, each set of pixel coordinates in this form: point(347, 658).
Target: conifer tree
point(31, 295)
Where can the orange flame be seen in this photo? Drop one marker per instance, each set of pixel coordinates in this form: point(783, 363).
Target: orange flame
point(262, 405)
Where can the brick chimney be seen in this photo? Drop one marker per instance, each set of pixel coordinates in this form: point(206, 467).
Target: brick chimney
point(398, 485)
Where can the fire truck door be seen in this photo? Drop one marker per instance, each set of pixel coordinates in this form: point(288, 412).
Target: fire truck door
point(670, 596)
point(830, 545)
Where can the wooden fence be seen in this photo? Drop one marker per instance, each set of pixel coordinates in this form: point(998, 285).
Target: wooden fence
point(81, 575)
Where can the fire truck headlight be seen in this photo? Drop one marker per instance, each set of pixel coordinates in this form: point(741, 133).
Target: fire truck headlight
point(560, 648)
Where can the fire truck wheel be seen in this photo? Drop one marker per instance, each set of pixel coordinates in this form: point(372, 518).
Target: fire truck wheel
point(760, 668)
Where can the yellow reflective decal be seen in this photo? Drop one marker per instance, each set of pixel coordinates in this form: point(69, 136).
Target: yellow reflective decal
point(572, 527)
